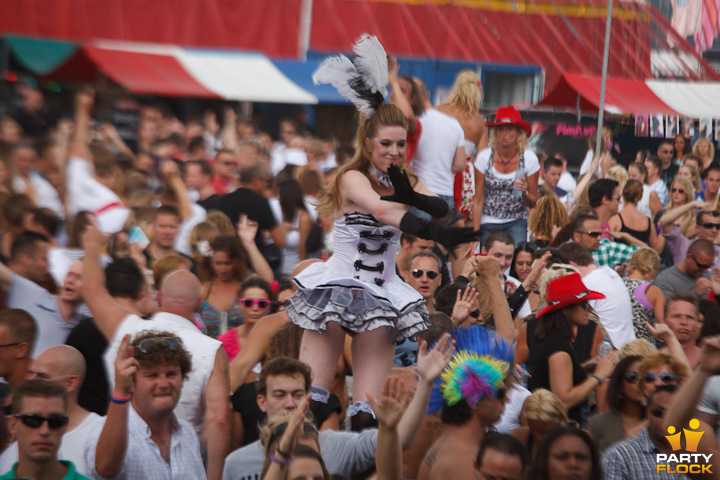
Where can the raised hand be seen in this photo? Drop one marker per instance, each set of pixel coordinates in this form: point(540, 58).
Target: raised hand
point(393, 401)
point(538, 266)
point(292, 434)
point(465, 303)
point(431, 364)
point(660, 331)
point(709, 360)
point(85, 99)
point(486, 267)
point(404, 192)
point(125, 368)
point(247, 229)
point(92, 236)
point(606, 365)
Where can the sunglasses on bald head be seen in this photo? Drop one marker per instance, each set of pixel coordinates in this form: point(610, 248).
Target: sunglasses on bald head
point(32, 420)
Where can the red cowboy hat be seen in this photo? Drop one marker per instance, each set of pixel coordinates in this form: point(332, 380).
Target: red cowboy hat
point(566, 291)
point(510, 116)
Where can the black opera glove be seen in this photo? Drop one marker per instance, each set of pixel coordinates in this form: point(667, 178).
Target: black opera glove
point(404, 193)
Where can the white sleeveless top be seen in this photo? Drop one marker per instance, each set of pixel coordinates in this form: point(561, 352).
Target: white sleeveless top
point(643, 205)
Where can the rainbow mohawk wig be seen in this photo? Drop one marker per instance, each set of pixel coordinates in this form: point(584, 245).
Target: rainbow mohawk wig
point(476, 371)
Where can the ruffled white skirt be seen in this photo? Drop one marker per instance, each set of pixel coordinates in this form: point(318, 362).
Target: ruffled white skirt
point(358, 306)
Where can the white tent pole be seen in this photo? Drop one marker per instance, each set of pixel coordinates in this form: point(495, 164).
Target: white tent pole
point(305, 29)
point(606, 54)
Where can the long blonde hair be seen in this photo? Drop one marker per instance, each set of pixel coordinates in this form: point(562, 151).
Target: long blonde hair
point(466, 94)
point(711, 150)
point(388, 115)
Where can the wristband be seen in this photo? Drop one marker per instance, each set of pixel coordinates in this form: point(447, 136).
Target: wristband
point(600, 382)
point(114, 398)
point(284, 462)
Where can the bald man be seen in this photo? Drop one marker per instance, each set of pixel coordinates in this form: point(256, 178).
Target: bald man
point(204, 400)
point(65, 365)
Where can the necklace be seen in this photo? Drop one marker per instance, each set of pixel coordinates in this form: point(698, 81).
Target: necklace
point(503, 161)
point(382, 178)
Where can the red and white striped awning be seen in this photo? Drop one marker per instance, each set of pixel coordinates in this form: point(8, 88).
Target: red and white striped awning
point(154, 69)
point(688, 99)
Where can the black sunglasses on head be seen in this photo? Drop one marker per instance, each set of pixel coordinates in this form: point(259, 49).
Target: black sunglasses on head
point(32, 420)
point(431, 274)
point(169, 342)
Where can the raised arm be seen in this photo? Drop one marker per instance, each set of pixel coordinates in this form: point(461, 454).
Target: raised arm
point(667, 221)
point(171, 172)
point(430, 366)
point(397, 97)
point(255, 348)
point(687, 396)
point(107, 314)
point(489, 269)
point(229, 130)
point(113, 442)
point(217, 416)
point(84, 101)
point(246, 230)
point(388, 412)
point(585, 180)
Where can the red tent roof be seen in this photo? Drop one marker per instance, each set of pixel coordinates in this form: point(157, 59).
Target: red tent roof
point(560, 35)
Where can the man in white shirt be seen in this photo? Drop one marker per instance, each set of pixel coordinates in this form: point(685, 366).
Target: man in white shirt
point(204, 401)
point(141, 438)
point(614, 311)
point(24, 157)
point(64, 365)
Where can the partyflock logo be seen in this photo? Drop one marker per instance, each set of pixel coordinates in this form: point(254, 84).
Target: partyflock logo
point(688, 462)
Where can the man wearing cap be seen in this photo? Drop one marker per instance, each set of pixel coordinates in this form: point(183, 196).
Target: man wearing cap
point(471, 396)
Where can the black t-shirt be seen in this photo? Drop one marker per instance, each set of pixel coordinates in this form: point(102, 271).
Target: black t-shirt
point(210, 203)
point(667, 174)
point(88, 339)
point(539, 367)
point(255, 206)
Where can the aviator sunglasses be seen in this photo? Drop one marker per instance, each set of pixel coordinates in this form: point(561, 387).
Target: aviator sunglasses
point(32, 420)
point(431, 274)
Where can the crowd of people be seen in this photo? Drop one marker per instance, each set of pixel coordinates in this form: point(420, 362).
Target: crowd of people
point(439, 301)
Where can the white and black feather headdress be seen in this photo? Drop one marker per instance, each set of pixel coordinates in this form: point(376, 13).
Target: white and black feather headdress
point(363, 80)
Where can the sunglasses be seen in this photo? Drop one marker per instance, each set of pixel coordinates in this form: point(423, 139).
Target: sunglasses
point(9, 344)
point(618, 197)
point(584, 305)
point(658, 412)
point(251, 302)
point(710, 225)
point(500, 393)
point(594, 233)
point(701, 266)
point(677, 190)
point(54, 421)
point(664, 377)
point(431, 274)
point(169, 342)
point(630, 377)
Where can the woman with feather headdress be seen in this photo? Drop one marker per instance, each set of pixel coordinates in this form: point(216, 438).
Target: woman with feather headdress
point(358, 290)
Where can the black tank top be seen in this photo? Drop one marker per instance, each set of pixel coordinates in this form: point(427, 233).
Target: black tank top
point(642, 235)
